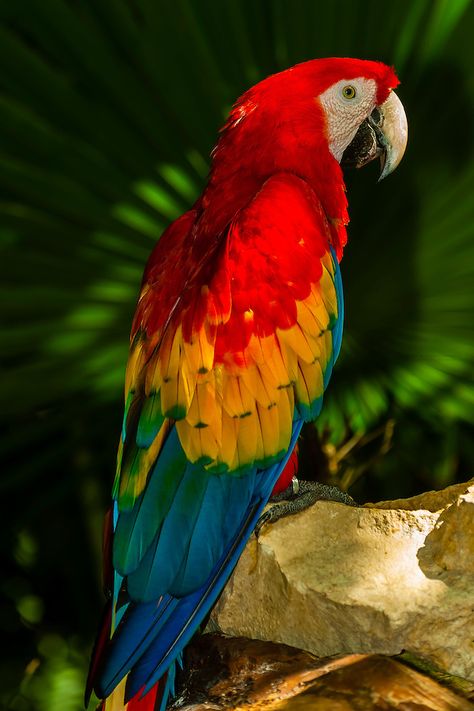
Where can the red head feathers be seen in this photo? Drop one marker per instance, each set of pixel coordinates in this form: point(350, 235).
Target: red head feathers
point(279, 125)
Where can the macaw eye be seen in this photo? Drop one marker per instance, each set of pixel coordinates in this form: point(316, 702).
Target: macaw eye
point(349, 92)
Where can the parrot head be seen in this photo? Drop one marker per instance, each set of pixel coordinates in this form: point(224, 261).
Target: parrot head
point(346, 105)
point(309, 120)
point(365, 119)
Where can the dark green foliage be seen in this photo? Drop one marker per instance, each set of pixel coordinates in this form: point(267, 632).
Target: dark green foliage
point(108, 112)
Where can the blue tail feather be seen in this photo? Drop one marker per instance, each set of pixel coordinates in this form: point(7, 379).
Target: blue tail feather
point(152, 635)
point(176, 632)
point(142, 625)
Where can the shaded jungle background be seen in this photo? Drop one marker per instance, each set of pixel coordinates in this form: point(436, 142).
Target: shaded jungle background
point(108, 112)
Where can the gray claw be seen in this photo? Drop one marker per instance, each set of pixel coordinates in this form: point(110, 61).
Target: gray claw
point(299, 497)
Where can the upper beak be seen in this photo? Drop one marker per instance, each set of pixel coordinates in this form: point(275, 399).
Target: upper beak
point(394, 134)
point(384, 133)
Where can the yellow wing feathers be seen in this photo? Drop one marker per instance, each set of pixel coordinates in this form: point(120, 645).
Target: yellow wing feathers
point(233, 412)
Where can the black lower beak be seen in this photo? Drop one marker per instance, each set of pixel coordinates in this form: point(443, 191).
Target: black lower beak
point(368, 144)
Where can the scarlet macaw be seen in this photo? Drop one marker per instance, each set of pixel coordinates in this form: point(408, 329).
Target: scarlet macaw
point(238, 326)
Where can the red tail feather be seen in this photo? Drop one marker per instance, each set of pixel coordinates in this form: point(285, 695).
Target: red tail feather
point(151, 701)
point(101, 641)
point(290, 470)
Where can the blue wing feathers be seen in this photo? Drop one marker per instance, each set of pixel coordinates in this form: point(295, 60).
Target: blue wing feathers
point(157, 571)
point(152, 634)
point(136, 529)
point(210, 535)
point(177, 632)
point(339, 327)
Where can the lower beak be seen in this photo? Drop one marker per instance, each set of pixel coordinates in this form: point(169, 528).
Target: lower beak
point(383, 134)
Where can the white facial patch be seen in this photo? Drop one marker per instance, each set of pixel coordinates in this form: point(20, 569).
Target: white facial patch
point(346, 105)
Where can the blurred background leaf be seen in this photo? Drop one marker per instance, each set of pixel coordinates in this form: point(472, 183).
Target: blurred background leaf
point(108, 113)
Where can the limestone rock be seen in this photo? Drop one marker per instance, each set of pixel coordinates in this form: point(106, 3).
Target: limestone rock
point(431, 500)
point(341, 580)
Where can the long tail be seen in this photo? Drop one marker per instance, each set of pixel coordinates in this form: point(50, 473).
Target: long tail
point(116, 701)
point(136, 665)
point(154, 700)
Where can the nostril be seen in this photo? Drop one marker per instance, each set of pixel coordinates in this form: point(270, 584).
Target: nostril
point(376, 116)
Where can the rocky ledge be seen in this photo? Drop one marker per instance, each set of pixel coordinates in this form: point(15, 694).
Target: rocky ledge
point(384, 578)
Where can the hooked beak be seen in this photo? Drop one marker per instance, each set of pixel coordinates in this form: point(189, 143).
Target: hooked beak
point(383, 134)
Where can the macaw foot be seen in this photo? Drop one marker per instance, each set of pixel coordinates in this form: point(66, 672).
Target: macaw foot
point(299, 496)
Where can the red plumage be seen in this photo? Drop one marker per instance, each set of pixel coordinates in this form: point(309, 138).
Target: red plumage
point(290, 470)
point(286, 134)
point(149, 702)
